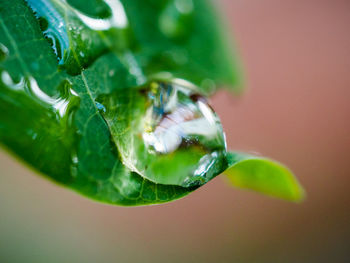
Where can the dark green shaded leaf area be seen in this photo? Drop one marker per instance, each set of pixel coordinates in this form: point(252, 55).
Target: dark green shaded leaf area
point(108, 97)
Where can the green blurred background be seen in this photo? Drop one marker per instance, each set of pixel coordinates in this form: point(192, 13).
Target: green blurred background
point(296, 56)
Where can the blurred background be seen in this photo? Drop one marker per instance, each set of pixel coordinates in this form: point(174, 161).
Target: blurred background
point(296, 56)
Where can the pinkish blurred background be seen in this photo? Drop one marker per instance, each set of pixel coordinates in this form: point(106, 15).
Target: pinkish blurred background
point(296, 56)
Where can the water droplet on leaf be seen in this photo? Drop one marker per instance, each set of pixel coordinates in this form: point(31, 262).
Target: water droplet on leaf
point(166, 133)
point(4, 52)
point(100, 107)
point(10, 83)
point(51, 21)
point(63, 103)
point(176, 19)
point(117, 19)
point(47, 119)
point(75, 37)
point(93, 8)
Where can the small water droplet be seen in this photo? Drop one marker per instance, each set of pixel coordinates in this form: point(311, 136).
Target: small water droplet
point(176, 20)
point(100, 107)
point(94, 8)
point(117, 19)
point(74, 163)
point(75, 37)
point(111, 73)
point(34, 136)
point(4, 52)
point(68, 100)
point(50, 17)
point(184, 6)
point(46, 120)
point(134, 67)
point(62, 103)
point(10, 83)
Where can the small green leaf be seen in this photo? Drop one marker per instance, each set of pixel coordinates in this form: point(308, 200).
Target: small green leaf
point(263, 175)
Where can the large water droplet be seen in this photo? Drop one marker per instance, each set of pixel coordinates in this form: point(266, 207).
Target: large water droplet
point(166, 133)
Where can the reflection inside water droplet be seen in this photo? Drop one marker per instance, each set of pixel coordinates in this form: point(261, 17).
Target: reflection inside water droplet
point(179, 117)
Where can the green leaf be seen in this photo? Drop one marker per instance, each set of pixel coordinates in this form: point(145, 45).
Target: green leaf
point(264, 176)
point(108, 97)
point(60, 62)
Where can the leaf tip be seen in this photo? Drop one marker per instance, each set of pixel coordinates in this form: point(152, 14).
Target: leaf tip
point(265, 176)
